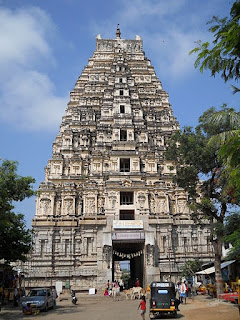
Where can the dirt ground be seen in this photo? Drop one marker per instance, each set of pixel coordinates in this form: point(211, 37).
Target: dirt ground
point(98, 307)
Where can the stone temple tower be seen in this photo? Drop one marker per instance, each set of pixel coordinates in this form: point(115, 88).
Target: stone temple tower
point(108, 194)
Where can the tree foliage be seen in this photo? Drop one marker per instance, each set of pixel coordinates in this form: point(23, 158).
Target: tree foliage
point(125, 275)
point(190, 267)
point(232, 235)
point(229, 148)
point(195, 158)
point(15, 239)
point(220, 187)
point(223, 56)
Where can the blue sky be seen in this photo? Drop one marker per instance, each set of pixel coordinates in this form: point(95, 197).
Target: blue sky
point(46, 44)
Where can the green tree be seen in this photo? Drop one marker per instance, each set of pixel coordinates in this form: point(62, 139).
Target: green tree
point(15, 239)
point(232, 235)
point(223, 55)
point(229, 147)
point(195, 158)
point(190, 267)
point(125, 275)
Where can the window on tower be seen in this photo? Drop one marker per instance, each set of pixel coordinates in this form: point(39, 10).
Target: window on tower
point(126, 198)
point(42, 248)
point(120, 80)
point(126, 215)
point(122, 108)
point(123, 135)
point(164, 242)
point(125, 165)
point(66, 247)
point(121, 92)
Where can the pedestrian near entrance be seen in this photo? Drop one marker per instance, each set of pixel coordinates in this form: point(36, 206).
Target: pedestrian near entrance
point(137, 282)
point(142, 306)
point(182, 291)
point(16, 297)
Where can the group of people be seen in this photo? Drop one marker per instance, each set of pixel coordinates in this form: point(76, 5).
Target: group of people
point(183, 290)
point(110, 286)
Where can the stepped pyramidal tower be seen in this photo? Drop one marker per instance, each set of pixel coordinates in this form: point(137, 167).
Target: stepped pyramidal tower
point(108, 194)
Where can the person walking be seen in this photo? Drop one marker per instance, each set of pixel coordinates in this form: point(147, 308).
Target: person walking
point(137, 282)
point(108, 284)
point(182, 291)
point(142, 306)
point(16, 297)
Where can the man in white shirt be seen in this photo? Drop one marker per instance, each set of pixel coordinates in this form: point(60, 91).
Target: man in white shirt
point(182, 291)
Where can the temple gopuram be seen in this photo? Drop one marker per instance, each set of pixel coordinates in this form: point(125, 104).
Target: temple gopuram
point(108, 194)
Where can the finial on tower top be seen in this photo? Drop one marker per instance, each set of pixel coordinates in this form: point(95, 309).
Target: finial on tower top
point(118, 33)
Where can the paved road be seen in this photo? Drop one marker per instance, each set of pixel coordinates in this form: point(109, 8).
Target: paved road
point(99, 307)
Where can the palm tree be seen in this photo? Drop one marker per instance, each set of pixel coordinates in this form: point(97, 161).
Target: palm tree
point(228, 142)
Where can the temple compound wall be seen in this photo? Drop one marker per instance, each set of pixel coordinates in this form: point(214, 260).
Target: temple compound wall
point(108, 194)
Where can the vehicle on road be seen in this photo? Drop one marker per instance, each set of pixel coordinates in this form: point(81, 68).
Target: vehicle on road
point(39, 298)
point(162, 299)
point(74, 298)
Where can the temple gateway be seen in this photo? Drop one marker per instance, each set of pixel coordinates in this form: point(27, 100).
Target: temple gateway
point(108, 194)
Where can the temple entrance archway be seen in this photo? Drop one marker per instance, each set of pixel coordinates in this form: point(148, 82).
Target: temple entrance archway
point(134, 253)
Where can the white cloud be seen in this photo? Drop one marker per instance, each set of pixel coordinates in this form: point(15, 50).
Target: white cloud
point(27, 96)
point(30, 102)
point(169, 30)
point(137, 9)
point(23, 35)
point(172, 52)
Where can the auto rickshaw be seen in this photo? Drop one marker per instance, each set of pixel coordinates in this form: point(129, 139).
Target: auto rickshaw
point(162, 299)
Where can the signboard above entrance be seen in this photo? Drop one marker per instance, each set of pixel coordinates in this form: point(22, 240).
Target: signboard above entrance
point(137, 235)
point(127, 224)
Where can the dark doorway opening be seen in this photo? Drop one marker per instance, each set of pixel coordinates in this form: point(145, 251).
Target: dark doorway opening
point(126, 198)
point(134, 253)
point(126, 215)
point(123, 135)
point(124, 164)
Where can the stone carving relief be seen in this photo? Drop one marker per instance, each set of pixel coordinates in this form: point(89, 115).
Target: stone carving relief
point(141, 200)
point(127, 183)
point(45, 206)
point(103, 45)
point(101, 202)
point(150, 253)
point(107, 255)
point(76, 141)
point(90, 206)
point(68, 206)
point(181, 206)
point(152, 204)
point(162, 205)
point(58, 207)
point(112, 199)
point(79, 207)
point(66, 170)
point(126, 45)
